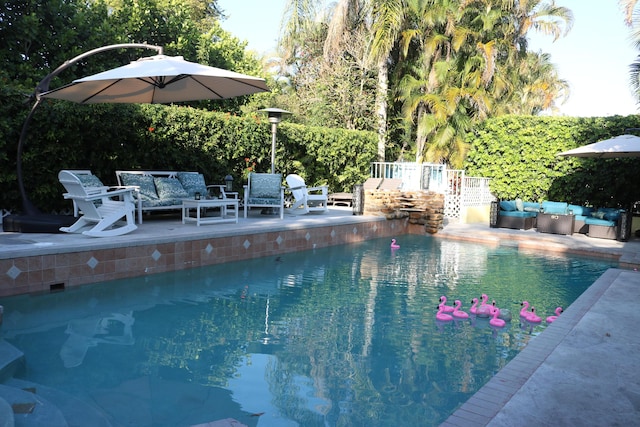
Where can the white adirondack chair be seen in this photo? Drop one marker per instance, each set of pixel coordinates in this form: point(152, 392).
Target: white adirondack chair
point(307, 199)
point(102, 219)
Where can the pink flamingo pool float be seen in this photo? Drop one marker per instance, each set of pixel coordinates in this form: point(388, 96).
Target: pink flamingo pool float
point(485, 309)
point(441, 315)
point(394, 245)
point(533, 317)
point(503, 313)
point(474, 310)
point(457, 313)
point(551, 319)
point(447, 308)
point(495, 322)
point(529, 316)
point(524, 311)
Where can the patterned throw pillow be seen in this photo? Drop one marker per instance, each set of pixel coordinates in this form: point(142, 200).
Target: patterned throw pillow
point(144, 182)
point(193, 183)
point(170, 189)
point(89, 180)
point(265, 185)
point(519, 205)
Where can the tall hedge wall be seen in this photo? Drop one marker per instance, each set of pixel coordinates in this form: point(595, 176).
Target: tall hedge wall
point(519, 154)
point(105, 138)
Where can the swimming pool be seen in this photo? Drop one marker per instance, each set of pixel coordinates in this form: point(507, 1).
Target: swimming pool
point(336, 336)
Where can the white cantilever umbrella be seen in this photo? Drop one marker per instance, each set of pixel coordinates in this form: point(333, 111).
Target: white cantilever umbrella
point(159, 79)
point(620, 146)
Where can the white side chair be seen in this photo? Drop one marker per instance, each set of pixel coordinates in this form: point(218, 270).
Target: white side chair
point(307, 199)
point(101, 219)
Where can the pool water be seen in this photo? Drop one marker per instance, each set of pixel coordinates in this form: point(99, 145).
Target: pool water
point(339, 336)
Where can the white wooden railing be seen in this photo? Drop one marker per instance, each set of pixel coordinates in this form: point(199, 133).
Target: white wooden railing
point(460, 190)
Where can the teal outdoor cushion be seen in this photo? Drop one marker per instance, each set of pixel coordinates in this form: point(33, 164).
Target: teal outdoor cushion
point(559, 208)
point(598, 221)
point(170, 189)
point(519, 214)
point(611, 214)
point(577, 210)
point(193, 183)
point(157, 203)
point(144, 182)
point(90, 180)
point(508, 205)
point(265, 186)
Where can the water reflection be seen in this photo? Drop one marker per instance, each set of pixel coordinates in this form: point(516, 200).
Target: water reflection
point(339, 336)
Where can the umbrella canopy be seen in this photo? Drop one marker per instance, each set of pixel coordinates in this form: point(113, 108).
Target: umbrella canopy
point(156, 80)
point(620, 146)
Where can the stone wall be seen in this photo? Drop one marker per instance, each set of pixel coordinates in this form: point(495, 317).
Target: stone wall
point(424, 208)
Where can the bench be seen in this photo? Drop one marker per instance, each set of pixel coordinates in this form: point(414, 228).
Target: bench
point(164, 190)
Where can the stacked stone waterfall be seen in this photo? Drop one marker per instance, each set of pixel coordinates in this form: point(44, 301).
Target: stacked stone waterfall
point(420, 207)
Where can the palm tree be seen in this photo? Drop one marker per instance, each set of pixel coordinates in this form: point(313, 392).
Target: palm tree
point(628, 7)
point(387, 18)
point(634, 73)
point(465, 68)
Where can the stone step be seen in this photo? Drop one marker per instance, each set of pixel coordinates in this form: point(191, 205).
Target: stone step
point(31, 410)
point(11, 360)
point(75, 411)
point(6, 414)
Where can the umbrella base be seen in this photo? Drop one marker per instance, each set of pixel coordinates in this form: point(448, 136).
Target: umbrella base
point(36, 223)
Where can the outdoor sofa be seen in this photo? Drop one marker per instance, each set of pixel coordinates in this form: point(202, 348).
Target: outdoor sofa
point(515, 214)
point(561, 218)
point(163, 190)
point(609, 223)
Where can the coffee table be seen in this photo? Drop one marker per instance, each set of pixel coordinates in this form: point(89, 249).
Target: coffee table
point(201, 204)
point(555, 223)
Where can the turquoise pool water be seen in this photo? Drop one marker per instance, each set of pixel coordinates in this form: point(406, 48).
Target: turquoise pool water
point(341, 336)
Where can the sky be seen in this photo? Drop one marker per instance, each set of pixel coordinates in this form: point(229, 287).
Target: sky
point(594, 58)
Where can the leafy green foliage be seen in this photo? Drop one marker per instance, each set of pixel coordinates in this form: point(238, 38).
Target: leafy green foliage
point(109, 137)
point(519, 154)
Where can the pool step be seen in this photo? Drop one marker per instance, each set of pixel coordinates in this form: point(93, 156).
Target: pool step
point(74, 411)
point(11, 360)
point(26, 404)
point(29, 409)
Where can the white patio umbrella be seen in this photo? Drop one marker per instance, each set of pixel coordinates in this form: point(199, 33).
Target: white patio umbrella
point(620, 146)
point(155, 79)
point(158, 79)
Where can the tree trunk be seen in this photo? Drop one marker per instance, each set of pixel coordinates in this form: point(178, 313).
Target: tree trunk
point(381, 107)
point(420, 137)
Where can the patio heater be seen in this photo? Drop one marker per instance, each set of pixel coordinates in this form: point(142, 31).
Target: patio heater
point(275, 117)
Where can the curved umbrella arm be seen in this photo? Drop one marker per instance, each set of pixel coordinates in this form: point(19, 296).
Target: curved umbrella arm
point(42, 87)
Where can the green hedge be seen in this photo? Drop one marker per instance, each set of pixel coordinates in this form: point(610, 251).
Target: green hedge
point(519, 154)
point(105, 138)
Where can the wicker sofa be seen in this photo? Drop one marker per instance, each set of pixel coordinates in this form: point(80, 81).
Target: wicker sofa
point(606, 223)
point(514, 214)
